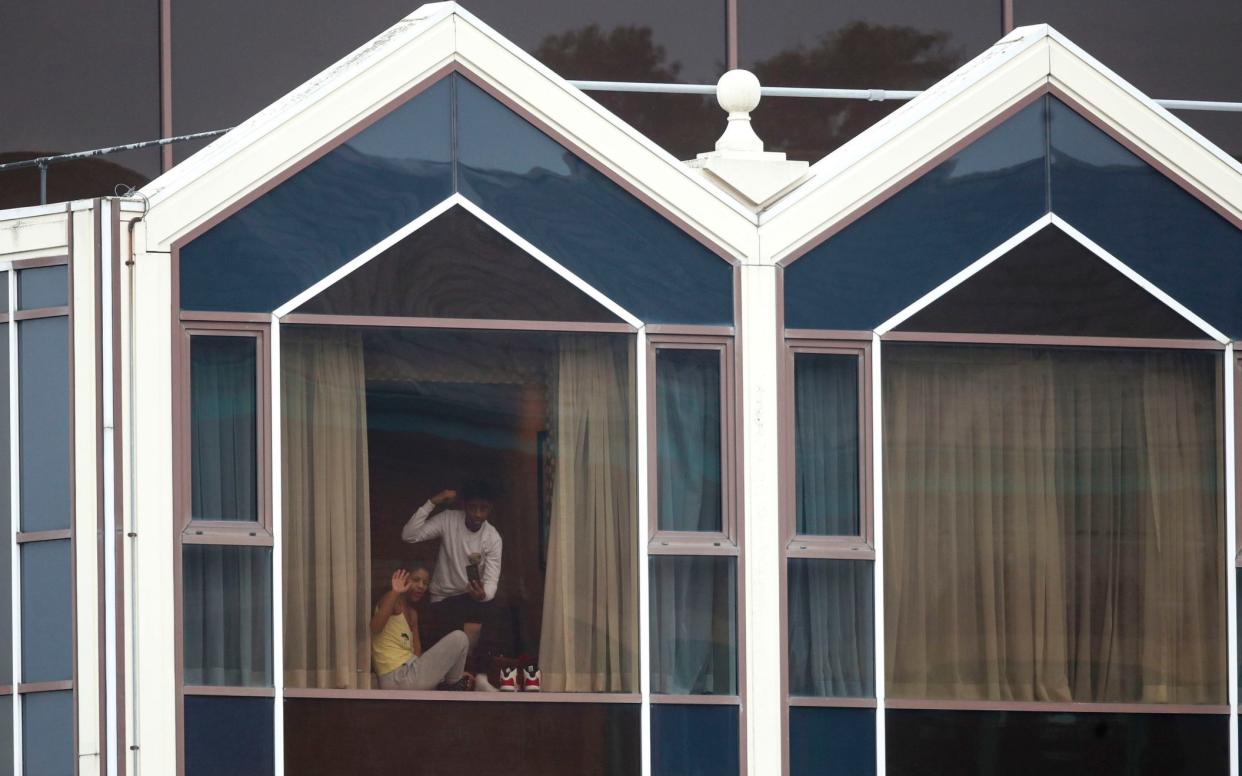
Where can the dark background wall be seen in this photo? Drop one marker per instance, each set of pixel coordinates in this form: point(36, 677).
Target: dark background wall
point(81, 74)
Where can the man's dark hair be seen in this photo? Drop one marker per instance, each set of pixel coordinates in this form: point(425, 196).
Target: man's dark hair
point(479, 490)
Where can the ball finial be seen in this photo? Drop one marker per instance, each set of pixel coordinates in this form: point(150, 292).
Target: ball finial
point(737, 91)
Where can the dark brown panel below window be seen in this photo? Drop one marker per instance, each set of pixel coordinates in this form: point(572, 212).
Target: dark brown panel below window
point(1024, 743)
point(482, 739)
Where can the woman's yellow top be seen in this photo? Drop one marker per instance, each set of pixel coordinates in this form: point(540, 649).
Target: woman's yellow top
point(393, 647)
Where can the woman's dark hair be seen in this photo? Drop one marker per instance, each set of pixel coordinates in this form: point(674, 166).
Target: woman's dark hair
point(418, 565)
point(479, 490)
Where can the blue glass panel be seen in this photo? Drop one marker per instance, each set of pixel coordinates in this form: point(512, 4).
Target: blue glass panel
point(47, 612)
point(583, 220)
point(6, 557)
point(43, 384)
point(6, 733)
point(47, 734)
point(925, 233)
point(831, 741)
point(43, 287)
point(1146, 220)
point(694, 740)
point(229, 736)
point(356, 195)
point(1025, 743)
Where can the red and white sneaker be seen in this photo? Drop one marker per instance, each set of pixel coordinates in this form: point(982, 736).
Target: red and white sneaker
point(508, 680)
point(531, 676)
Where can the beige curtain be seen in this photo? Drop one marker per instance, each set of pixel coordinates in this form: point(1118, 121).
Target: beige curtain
point(326, 510)
point(589, 639)
point(1052, 525)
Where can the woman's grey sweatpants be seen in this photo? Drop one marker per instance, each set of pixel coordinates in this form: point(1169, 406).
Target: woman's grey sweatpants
point(444, 662)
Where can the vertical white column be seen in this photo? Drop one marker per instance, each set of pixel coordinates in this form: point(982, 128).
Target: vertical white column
point(278, 581)
point(760, 331)
point(113, 746)
point(644, 583)
point(1231, 545)
point(877, 479)
point(14, 512)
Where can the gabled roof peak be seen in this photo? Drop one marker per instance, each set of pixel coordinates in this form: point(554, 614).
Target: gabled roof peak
point(419, 49)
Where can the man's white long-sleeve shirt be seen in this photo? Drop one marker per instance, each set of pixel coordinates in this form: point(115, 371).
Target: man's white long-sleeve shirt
point(457, 544)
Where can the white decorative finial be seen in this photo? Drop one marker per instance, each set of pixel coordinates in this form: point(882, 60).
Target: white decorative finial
point(739, 164)
point(737, 91)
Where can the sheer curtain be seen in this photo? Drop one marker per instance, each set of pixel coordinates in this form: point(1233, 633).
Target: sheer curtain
point(589, 639)
point(831, 632)
point(223, 435)
point(1053, 525)
point(326, 510)
point(693, 625)
point(693, 599)
point(826, 444)
point(226, 600)
point(688, 438)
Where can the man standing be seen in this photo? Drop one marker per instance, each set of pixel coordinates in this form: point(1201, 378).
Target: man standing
point(468, 566)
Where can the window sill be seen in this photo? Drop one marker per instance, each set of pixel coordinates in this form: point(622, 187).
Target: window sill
point(453, 697)
point(1045, 706)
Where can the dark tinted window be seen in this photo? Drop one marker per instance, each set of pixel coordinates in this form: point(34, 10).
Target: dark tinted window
point(6, 729)
point(348, 200)
point(912, 242)
point(524, 739)
point(1145, 219)
point(1051, 284)
point(47, 612)
point(228, 735)
point(231, 43)
point(47, 733)
point(43, 287)
point(1024, 743)
point(61, 97)
point(458, 267)
point(1185, 50)
point(694, 740)
point(852, 45)
point(6, 528)
point(584, 220)
point(392, 172)
point(831, 742)
point(43, 377)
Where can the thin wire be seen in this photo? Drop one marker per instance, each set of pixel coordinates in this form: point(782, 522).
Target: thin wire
point(636, 87)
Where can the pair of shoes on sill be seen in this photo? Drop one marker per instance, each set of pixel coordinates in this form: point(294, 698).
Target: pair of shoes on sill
point(532, 678)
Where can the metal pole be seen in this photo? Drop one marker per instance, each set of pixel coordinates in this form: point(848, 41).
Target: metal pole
point(43, 183)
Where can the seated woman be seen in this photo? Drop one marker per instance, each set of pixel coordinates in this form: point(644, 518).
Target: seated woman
point(396, 652)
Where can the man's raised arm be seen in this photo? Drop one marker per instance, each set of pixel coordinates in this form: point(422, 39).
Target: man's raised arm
point(419, 528)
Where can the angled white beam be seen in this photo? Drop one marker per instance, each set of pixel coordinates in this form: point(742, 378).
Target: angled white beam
point(457, 200)
point(959, 278)
point(364, 257)
point(1143, 282)
point(1051, 219)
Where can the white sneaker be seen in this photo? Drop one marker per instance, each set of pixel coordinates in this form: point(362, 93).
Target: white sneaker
point(482, 685)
